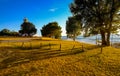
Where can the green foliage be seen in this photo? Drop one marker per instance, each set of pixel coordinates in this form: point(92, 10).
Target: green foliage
point(14, 33)
point(27, 29)
point(7, 32)
point(97, 16)
point(51, 30)
point(73, 27)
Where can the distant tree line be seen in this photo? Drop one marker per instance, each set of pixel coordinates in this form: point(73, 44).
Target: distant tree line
point(28, 29)
point(52, 29)
point(7, 32)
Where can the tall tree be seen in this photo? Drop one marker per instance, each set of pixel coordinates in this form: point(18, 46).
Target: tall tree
point(100, 15)
point(27, 28)
point(51, 30)
point(73, 27)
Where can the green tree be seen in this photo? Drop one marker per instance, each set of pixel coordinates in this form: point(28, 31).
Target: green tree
point(98, 15)
point(14, 33)
point(5, 32)
point(51, 30)
point(27, 28)
point(73, 27)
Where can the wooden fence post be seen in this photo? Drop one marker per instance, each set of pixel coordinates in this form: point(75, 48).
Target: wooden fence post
point(73, 47)
point(49, 46)
point(22, 44)
point(8, 42)
point(40, 45)
point(82, 48)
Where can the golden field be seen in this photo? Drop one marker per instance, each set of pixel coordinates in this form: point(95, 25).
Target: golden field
point(51, 57)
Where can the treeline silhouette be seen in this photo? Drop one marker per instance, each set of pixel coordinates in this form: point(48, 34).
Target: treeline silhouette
point(7, 32)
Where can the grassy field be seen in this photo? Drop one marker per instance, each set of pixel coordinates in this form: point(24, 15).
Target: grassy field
point(50, 57)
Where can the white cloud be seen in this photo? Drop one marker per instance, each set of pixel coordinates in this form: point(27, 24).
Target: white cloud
point(53, 9)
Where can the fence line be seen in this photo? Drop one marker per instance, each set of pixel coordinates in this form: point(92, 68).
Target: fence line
point(50, 46)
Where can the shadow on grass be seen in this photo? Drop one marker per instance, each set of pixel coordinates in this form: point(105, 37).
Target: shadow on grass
point(30, 54)
point(43, 40)
point(91, 47)
point(24, 57)
point(44, 47)
point(85, 58)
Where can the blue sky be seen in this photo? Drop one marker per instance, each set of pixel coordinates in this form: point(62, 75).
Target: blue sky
point(39, 12)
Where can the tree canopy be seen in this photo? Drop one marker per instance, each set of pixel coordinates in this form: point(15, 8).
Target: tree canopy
point(98, 16)
point(7, 32)
point(27, 28)
point(73, 27)
point(51, 30)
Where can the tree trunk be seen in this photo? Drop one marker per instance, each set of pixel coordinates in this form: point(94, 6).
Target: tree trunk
point(74, 36)
point(96, 40)
point(105, 36)
point(108, 39)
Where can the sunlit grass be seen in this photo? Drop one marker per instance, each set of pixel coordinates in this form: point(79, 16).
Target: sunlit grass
point(43, 57)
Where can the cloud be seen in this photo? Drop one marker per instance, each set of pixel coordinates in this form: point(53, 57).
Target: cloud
point(53, 9)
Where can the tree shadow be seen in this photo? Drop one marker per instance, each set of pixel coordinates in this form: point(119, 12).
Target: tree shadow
point(91, 47)
point(25, 57)
point(31, 47)
point(83, 59)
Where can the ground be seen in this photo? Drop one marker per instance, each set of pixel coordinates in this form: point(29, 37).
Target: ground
point(51, 57)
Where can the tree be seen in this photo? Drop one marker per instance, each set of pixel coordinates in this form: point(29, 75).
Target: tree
point(27, 28)
point(51, 30)
point(99, 15)
point(14, 33)
point(73, 27)
point(5, 32)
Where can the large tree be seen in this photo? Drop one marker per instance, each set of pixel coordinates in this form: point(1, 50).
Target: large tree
point(27, 28)
point(98, 15)
point(51, 30)
point(73, 27)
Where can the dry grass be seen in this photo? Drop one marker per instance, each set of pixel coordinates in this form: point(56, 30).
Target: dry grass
point(43, 57)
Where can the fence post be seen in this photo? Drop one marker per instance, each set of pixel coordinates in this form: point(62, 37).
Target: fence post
point(22, 44)
point(40, 45)
point(49, 46)
point(73, 47)
point(8, 42)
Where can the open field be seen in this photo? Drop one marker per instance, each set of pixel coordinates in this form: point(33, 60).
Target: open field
point(50, 57)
